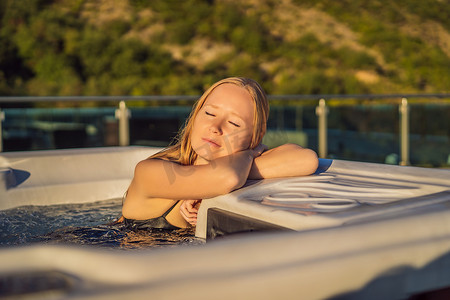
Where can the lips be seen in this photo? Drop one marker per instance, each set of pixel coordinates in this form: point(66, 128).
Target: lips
point(211, 142)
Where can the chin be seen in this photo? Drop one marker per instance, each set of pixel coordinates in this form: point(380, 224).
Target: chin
point(203, 154)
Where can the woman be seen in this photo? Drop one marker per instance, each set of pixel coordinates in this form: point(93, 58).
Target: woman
point(216, 152)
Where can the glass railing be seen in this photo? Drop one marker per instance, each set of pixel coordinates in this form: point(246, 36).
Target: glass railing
point(394, 129)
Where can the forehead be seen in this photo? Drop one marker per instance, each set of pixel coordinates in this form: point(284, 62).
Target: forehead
point(233, 98)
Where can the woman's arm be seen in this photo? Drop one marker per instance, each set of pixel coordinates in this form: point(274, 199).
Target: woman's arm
point(284, 161)
point(154, 178)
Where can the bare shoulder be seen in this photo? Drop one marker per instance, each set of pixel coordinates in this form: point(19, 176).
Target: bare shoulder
point(160, 172)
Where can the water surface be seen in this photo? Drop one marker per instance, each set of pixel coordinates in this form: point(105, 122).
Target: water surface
point(83, 224)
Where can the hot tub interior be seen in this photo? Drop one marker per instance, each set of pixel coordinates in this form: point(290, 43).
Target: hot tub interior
point(338, 249)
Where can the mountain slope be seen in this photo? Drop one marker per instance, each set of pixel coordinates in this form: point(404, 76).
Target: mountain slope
point(133, 47)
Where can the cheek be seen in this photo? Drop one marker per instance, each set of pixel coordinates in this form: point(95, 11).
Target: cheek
point(196, 127)
point(240, 140)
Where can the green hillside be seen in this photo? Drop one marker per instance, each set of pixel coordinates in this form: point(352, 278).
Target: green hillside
point(137, 47)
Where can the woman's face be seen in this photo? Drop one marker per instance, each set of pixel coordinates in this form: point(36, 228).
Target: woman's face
point(224, 125)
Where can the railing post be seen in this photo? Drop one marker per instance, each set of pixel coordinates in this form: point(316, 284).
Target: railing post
point(2, 117)
point(404, 132)
point(298, 118)
point(321, 112)
point(123, 115)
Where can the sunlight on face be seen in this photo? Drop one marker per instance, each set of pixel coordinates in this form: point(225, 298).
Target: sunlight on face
point(224, 125)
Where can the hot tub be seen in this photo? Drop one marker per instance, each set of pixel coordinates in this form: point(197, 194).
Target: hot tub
point(351, 231)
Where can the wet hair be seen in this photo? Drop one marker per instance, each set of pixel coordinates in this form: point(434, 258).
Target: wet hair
point(182, 152)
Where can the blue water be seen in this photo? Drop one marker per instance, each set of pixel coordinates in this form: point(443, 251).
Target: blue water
point(83, 224)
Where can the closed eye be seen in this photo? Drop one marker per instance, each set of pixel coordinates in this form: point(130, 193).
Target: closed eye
point(209, 114)
point(232, 123)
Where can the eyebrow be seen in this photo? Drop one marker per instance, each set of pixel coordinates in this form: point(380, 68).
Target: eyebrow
point(233, 113)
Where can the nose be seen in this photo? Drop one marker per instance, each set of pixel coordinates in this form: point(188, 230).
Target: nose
point(216, 127)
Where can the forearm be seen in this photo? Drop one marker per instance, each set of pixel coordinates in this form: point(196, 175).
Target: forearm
point(284, 161)
point(236, 166)
point(154, 178)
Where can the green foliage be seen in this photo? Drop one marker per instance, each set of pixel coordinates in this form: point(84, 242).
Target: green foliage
point(419, 65)
point(436, 10)
point(50, 47)
point(315, 82)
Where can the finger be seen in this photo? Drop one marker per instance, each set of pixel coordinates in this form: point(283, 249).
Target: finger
point(188, 208)
point(190, 220)
point(258, 150)
point(197, 204)
point(191, 208)
point(192, 205)
point(188, 213)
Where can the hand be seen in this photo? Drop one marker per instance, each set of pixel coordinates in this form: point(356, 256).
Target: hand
point(189, 210)
point(258, 150)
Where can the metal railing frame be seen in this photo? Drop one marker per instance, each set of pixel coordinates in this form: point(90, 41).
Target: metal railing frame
point(122, 113)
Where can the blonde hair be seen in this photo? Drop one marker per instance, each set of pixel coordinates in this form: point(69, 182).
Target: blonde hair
point(182, 151)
